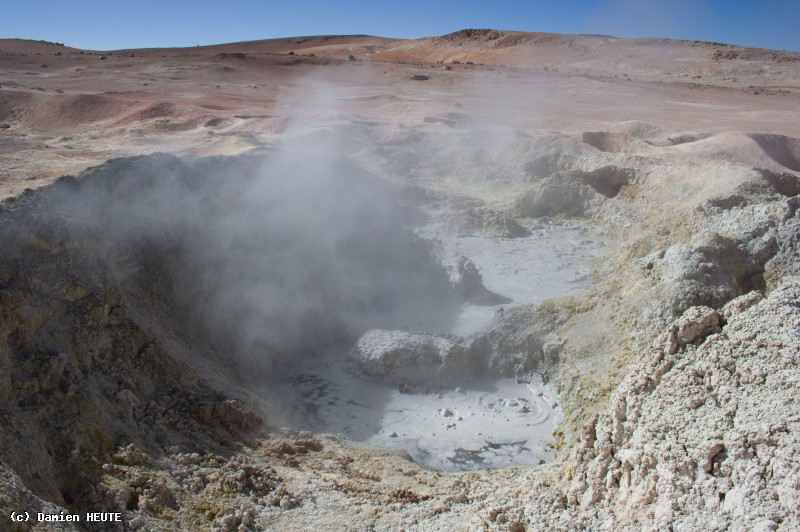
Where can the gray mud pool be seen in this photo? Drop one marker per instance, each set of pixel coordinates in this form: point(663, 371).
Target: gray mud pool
point(488, 424)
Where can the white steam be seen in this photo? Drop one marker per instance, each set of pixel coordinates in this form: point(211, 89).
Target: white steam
point(265, 258)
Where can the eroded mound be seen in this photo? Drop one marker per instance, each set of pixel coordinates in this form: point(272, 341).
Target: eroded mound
point(783, 150)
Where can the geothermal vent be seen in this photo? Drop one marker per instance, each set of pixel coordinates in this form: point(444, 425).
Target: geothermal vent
point(308, 282)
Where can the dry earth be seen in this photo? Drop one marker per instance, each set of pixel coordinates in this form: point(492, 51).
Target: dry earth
point(677, 371)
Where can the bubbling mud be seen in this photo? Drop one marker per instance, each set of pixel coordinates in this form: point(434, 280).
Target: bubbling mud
point(488, 422)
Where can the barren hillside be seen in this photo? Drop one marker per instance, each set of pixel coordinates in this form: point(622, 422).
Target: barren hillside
point(489, 280)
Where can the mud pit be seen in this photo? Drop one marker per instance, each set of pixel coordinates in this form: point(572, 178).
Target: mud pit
point(486, 425)
point(268, 270)
point(486, 422)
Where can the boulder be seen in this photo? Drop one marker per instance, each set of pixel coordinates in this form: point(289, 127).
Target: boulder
point(522, 339)
point(421, 361)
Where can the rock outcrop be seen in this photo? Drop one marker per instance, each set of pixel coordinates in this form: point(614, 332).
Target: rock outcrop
point(704, 432)
point(417, 361)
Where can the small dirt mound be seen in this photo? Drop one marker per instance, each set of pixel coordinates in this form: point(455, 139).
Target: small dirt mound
point(560, 195)
point(783, 150)
point(608, 180)
point(727, 203)
point(157, 110)
point(571, 193)
point(214, 122)
point(687, 138)
point(482, 221)
point(439, 120)
point(543, 166)
point(637, 129)
point(12, 101)
point(70, 110)
point(605, 141)
point(473, 35)
point(783, 183)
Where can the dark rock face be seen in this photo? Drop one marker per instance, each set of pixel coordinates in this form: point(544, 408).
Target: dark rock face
point(82, 372)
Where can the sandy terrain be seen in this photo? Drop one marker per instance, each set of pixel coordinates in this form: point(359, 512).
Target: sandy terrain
point(85, 107)
point(133, 348)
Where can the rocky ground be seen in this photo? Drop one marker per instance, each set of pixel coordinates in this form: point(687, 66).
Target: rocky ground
point(677, 370)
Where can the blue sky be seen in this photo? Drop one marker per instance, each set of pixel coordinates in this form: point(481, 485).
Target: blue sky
point(110, 24)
